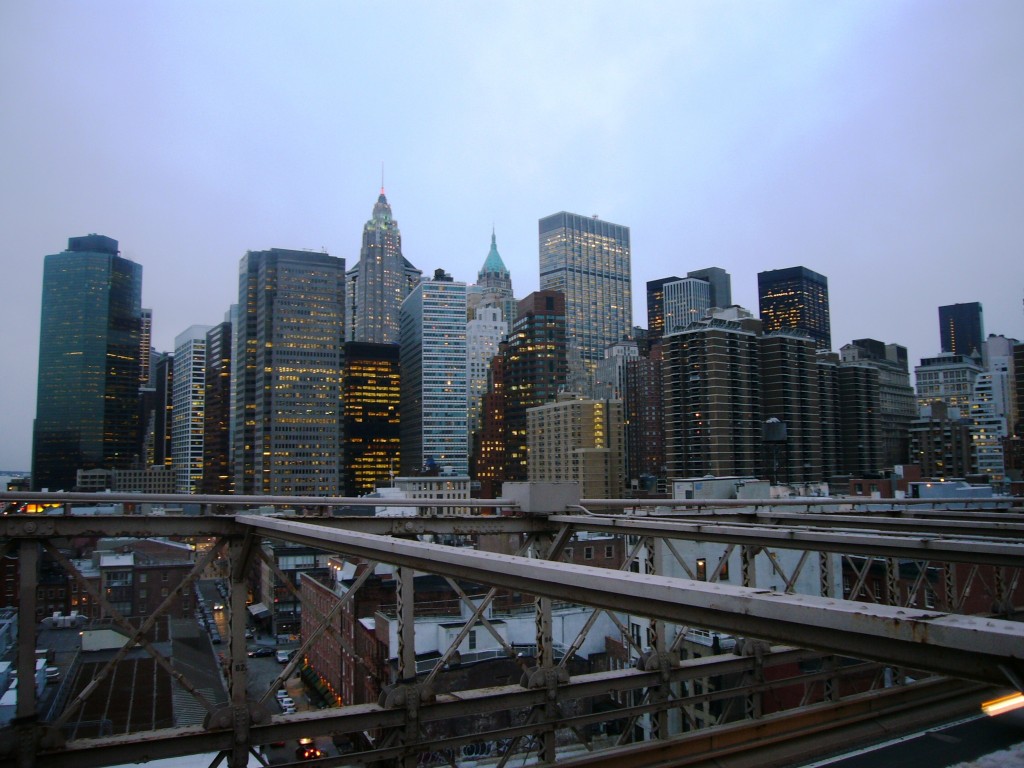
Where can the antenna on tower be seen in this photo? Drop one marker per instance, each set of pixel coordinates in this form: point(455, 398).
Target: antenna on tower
point(382, 177)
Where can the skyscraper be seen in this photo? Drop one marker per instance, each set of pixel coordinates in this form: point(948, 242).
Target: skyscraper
point(433, 391)
point(217, 411)
point(656, 307)
point(898, 403)
point(795, 298)
point(286, 373)
point(187, 427)
point(962, 329)
point(719, 282)
point(712, 398)
point(87, 407)
point(685, 301)
point(379, 283)
point(372, 387)
point(529, 370)
point(493, 288)
point(588, 260)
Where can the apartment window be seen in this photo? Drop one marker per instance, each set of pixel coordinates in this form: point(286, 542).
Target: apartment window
point(588, 553)
point(472, 639)
point(142, 578)
point(568, 553)
point(609, 551)
point(723, 573)
point(702, 569)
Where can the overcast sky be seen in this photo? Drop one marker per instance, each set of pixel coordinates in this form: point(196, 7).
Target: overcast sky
point(878, 142)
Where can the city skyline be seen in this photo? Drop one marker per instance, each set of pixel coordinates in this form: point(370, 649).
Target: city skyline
point(882, 155)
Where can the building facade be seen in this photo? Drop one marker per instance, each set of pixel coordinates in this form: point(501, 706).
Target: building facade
point(217, 411)
point(711, 380)
point(588, 260)
point(87, 404)
point(579, 440)
point(287, 367)
point(493, 288)
point(656, 306)
point(484, 333)
point(795, 298)
point(947, 378)
point(790, 395)
point(380, 281)
point(962, 329)
point(371, 400)
point(434, 402)
point(189, 413)
point(898, 405)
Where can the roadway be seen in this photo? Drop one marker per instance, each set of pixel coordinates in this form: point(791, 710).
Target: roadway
point(959, 742)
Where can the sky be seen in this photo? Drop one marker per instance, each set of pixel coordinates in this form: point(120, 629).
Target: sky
point(877, 142)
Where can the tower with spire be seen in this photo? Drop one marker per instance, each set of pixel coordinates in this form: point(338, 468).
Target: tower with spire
point(378, 284)
point(493, 287)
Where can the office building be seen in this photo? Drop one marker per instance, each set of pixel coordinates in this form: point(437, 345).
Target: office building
point(610, 375)
point(286, 373)
point(962, 329)
point(656, 307)
point(644, 415)
point(87, 405)
point(719, 284)
point(940, 443)
point(145, 345)
point(380, 281)
point(947, 378)
point(588, 260)
point(536, 370)
point(217, 411)
point(795, 299)
point(991, 408)
point(371, 399)
point(187, 424)
point(898, 402)
point(860, 422)
point(578, 440)
point(686, 301)
point(434, 401)
point(158, 411)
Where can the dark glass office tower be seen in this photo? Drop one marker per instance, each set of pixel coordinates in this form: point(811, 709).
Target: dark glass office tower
point(371, 392)
point(286, 374)
point(962, 329)
point(87, 408)
point(795, 299)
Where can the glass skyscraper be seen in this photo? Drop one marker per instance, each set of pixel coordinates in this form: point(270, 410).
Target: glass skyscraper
point(795, 299)
point(962, 329)
point(87, 407)
point(287, 374)
point(434, 401)
point(588, 260)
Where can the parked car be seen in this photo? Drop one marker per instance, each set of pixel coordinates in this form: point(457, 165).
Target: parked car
point(256, 653)
point(283, 656)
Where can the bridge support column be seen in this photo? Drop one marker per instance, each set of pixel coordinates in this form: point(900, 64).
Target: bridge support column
point(26, 720)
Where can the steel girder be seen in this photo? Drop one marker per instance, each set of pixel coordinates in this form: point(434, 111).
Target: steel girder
point(960, 646)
